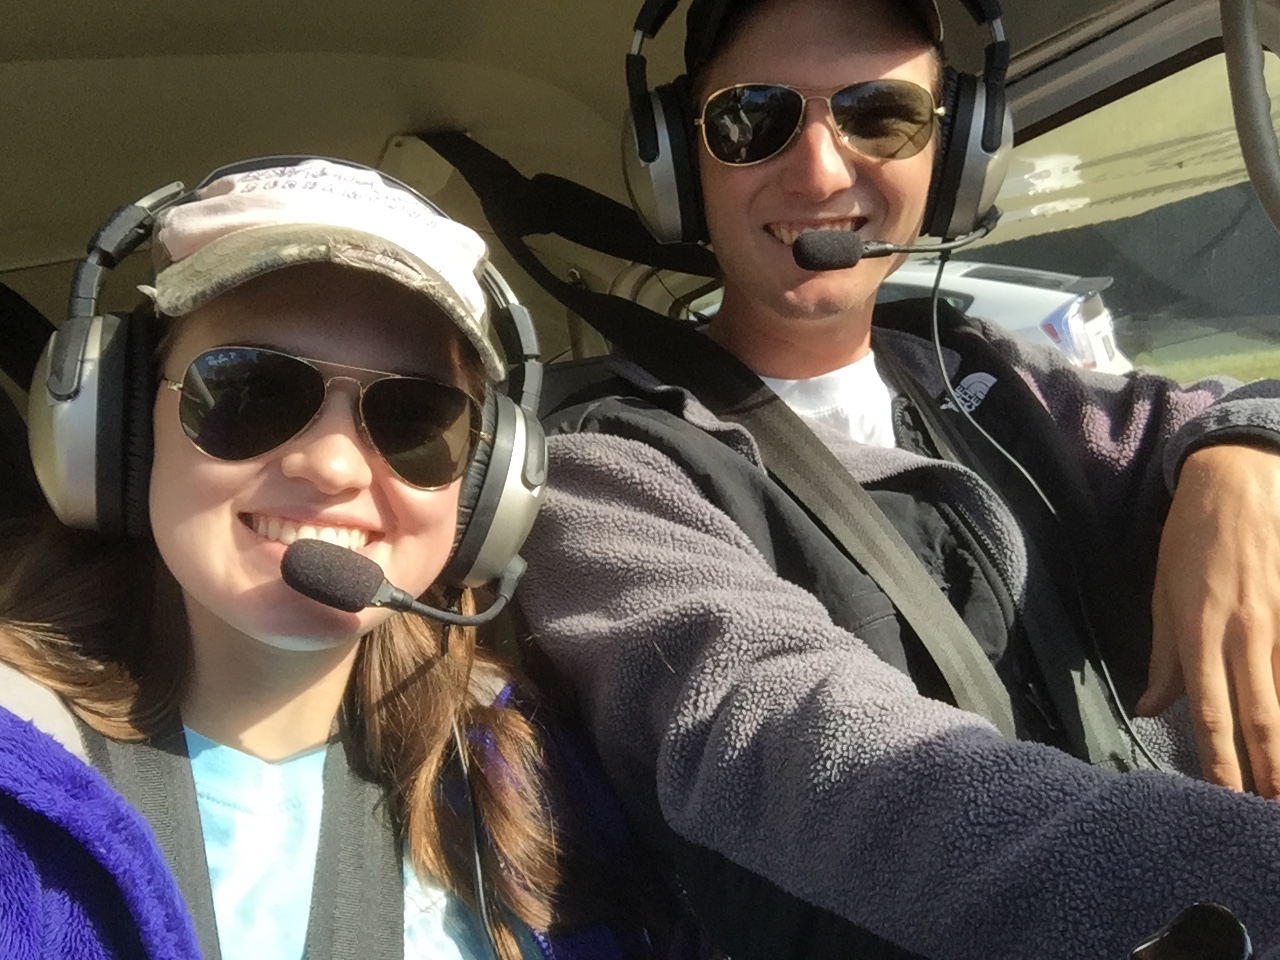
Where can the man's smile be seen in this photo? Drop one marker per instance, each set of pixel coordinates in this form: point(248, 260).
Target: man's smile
point(786, 231)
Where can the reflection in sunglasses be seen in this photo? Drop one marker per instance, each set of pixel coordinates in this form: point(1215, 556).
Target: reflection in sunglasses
point(749, 123)
point(238, 403)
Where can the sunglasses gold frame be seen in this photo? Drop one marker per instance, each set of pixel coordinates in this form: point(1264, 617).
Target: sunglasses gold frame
point(363, 383)
point(938, 112)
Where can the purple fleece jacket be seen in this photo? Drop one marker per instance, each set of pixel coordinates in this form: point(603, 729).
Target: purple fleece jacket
point(81, 877)
point(725, 700)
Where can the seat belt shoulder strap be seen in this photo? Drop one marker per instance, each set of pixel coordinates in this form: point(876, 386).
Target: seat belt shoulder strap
point(357, 897)
point(156, 778)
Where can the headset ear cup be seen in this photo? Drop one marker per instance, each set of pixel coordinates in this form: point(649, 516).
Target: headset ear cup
point(666, 193)
point(974, 161)
point(679, 110)
point(122, 426)
point(933, 215)
point(139, 422)
point(473, 482)
point(106, 409)
point(499, 498)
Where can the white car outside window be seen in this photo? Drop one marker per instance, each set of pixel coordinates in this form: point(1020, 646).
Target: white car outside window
point(1038, 306)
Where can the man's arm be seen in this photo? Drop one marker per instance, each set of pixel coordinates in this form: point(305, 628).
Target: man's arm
point(1216, 603)
point(726, 702)
point(1216, 613)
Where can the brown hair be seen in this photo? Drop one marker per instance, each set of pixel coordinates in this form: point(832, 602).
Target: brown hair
point(102, 623)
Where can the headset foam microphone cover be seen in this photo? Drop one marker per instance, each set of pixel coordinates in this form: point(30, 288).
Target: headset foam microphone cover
point(332, 575)
point(827, 249)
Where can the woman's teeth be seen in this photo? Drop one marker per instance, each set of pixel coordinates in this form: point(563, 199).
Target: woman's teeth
point(787, 232)
point(285, 531)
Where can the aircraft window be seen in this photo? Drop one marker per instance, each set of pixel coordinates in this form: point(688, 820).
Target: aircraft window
point(1151, 190)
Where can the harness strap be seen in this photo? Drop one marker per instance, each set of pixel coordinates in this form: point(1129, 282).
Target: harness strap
point(357, 899)
point(357, 896)
point(156, 778)
point(821, 484)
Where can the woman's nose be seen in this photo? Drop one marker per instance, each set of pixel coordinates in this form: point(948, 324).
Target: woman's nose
point(331, 453)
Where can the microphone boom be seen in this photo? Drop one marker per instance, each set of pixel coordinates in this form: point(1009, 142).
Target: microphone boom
point(332, 575)
point(819, 250)
point(346, 580)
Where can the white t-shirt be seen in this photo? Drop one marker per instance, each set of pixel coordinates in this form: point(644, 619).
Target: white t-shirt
point(855, 400)
point(261, 826)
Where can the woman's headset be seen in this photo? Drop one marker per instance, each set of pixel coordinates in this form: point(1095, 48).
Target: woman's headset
point(93, 392)
point(660, 147)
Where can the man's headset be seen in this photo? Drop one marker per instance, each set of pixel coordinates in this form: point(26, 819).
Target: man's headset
point(660, 147)
point(92, 395)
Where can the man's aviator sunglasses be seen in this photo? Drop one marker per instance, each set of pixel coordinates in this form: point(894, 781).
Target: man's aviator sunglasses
point(752, 122)
point(237, 403)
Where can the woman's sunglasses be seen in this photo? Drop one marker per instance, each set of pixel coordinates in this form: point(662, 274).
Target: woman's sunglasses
point(751, 122)
point(237, 403)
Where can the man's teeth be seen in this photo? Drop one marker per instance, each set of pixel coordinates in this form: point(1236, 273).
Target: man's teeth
point(787, 232)
point(285, 531)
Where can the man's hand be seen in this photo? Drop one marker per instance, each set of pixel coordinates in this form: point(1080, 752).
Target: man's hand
point(1216, 613)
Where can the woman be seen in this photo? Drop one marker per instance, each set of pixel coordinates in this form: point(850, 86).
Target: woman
point(323, 362)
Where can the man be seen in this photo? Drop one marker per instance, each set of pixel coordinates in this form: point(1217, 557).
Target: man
point(777, 731)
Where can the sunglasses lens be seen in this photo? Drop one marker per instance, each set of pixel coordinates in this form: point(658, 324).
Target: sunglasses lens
point(423, 429)
point(238, 402)
point(886, 119)
point(751, 122)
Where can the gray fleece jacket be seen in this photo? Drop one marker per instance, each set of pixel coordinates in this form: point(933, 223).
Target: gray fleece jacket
point(725, 700)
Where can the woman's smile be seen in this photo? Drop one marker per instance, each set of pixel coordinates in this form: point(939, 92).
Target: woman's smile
point(286, 531)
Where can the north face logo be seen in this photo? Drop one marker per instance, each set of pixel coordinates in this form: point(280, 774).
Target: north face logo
point(971, 391)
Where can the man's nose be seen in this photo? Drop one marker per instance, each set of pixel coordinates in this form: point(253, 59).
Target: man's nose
point(819, 163)
point(331, 453)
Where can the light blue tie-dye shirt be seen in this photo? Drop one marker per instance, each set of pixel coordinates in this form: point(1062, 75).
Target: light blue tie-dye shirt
point(261, 824)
